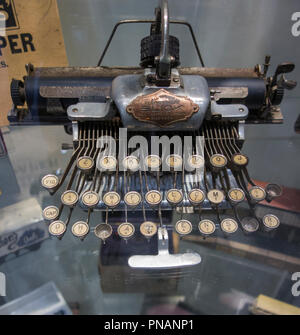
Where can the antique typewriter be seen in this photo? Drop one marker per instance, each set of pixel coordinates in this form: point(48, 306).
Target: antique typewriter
point(152, 140)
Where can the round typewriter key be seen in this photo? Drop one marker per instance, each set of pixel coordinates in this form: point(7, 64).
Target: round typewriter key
point(153, 197)
point(80, 229)
point(250, 224)
point(174, 162)
point(148, 228)
point(85, 163)
point(111, 199)
point(183, 227)
point(131, 163)
point(196, 197)
point(103, 231)
point(50, 181)
point(153, 162)
point(257, 193)
point(229, 226)
point(90, 198)
point(270, 221)
point(215, 196)
point(126, 230)
point(50, 213)
point(174, 196)
point(69, 198)
point(57, 228)
point(218, 161)
point(240, 159)
point(273, 191)
point(132, 198)
point(236, 195)
point(108, 163)
point(195, 162)
point(206, 227)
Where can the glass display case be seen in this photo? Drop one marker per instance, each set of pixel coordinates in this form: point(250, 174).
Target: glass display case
point(81, 235)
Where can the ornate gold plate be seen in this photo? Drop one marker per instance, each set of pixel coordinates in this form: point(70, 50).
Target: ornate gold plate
point(162, 108)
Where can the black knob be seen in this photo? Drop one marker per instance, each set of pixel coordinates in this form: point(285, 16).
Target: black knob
point(150, 48)
point(277, 96)
point(287, 84)
point(17, 92)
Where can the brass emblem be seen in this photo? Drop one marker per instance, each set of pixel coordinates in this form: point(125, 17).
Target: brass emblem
point(162, 108)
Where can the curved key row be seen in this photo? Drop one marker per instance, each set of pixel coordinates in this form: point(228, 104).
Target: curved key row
point(173, 197)
point(216, 177)
point(183, 227)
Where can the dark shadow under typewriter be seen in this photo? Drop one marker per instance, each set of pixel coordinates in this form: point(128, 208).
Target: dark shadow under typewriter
point(156, 102)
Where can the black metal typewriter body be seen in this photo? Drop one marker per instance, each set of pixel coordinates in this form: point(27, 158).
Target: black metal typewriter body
point(151, 140)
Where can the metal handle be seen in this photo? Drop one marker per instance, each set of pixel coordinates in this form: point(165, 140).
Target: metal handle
point(164, 260)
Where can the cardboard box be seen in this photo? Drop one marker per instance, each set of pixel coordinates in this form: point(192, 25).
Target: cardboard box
point(45, 300)
point(30, 32)
point(22, 226)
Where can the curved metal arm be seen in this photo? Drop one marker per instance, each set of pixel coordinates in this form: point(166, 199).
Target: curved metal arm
point(149, 21)
point(164, 61)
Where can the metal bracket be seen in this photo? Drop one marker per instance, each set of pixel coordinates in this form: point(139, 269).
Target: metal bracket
point(90, 111)
point(229, 112)
point(220, 93)
point(164, 260)
point(149, 73)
